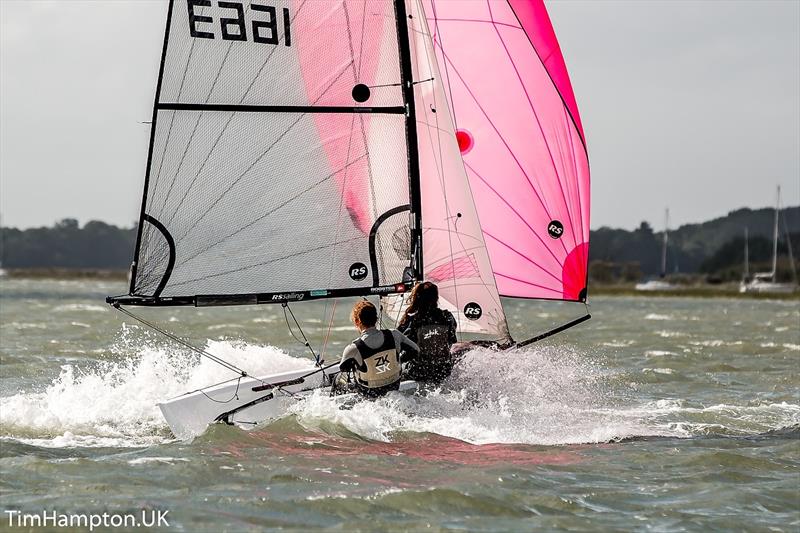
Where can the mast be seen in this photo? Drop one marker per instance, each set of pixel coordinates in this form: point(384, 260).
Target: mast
point(406, 79)
point(153, 121)
point(775, 236)
point(746, 256)
point(664, 245)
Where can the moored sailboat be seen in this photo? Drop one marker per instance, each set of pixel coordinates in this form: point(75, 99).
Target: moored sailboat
point(316, 150)
point(766, 282)
point(660, 284)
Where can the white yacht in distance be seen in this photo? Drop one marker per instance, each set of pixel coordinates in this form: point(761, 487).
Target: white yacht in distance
point(660, 284)
point(764, 282)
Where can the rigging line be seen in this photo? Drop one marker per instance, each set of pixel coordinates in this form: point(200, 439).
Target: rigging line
point(253, 164)
point(300, 329)
point(270, 212)
point(437, 35)
point(225, 127)
point(400, 84)
point(361, 45)
point(482, 21)
point(201, 389)
point(330, 326)
point(235, 393)
point(225, 416)
point(185, 343)
point(440, 167)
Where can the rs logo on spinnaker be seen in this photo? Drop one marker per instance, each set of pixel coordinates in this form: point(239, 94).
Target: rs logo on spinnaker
point(358, 271)
point(555, 229)
point(473, 311)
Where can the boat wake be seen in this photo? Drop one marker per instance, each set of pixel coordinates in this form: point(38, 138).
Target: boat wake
point(548, 395)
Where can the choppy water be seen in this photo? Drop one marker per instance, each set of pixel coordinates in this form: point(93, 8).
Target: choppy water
point(669, 414)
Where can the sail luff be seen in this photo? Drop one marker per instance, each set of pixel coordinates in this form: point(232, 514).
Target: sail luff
point(153, 122)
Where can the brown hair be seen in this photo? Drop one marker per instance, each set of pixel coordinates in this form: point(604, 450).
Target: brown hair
point(424, 296)
point(364, 314)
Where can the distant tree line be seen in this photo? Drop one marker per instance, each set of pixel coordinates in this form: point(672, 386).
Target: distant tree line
point(96, 245)
point(714, 249)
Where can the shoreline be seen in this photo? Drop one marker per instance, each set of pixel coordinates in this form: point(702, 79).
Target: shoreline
point(727, 290)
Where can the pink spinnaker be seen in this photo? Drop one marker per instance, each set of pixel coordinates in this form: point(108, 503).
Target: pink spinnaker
point(521, 140)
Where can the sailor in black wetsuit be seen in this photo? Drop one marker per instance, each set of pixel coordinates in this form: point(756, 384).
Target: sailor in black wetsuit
point(434, 331)
point(374, 358)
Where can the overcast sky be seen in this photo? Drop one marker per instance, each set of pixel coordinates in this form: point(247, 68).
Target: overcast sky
point(694, 105)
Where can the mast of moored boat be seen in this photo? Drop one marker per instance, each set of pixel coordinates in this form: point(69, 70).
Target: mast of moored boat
point(664, 244)
point(774, 270)
point(746, 275)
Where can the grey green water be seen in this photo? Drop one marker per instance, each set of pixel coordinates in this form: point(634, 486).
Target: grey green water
point(665, 414)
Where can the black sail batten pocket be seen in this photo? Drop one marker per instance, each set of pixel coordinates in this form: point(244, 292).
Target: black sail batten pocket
point(373, 256)
point(171, 244)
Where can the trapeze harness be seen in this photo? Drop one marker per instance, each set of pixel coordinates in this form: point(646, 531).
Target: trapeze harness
point(379, 367)
point(435, 362)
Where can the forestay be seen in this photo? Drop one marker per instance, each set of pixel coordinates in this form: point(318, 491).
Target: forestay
point(279, 163)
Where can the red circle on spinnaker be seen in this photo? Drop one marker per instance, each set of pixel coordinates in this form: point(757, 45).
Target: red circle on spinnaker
point(465, 141)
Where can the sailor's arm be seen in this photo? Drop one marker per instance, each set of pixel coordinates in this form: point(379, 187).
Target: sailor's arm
point(351, 359)
point(451, 327)
point(405, 346)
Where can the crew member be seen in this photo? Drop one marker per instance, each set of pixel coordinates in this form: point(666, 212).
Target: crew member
point(374, 358)
point(434, 331)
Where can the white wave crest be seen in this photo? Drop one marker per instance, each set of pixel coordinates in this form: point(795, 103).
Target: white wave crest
point(114, 404)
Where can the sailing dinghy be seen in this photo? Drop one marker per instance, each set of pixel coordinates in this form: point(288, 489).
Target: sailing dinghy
point(304, 150)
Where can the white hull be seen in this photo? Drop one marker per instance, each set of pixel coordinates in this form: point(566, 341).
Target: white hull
point(655, 285)
point(767, 287)
point(190, 414)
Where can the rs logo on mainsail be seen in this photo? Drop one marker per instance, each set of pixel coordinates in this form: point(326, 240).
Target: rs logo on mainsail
point(234, 29)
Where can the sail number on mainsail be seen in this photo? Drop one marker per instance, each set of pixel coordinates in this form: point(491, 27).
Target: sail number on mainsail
point(263, 31)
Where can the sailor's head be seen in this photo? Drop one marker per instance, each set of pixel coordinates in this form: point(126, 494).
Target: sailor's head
point(424, 296)
point(364, 315)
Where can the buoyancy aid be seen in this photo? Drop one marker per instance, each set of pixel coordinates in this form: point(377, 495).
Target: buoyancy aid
point(381, 365)
point(433, 341)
